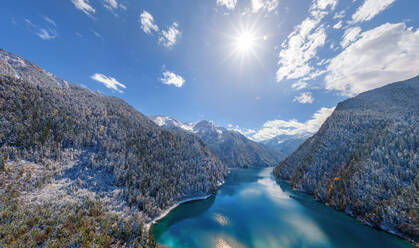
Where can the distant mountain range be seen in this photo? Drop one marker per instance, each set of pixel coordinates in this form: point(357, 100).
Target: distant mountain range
point(231, 147)
point(364, 160)
point(85, 144)
point(286, 144)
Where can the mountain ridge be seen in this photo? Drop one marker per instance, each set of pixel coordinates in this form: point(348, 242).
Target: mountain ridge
point(364, 159)
point(231, 147)
point(62, 143)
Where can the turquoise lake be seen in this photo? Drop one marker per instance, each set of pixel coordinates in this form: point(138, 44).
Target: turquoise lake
point(253, 210)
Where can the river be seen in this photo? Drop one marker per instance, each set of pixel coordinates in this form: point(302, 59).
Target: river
point(253, 210)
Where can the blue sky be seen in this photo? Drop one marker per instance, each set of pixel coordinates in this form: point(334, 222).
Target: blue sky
point(263, 67)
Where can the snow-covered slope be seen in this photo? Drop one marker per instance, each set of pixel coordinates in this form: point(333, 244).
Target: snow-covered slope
point(16, 67)
point(96, 144)
point(364, 160)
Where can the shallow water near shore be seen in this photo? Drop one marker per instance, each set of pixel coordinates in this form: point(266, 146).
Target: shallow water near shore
point(253, 210)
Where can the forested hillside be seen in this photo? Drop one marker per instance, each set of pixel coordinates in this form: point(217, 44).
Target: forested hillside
point(62, 143)
point(231, 147)
point(364, 160)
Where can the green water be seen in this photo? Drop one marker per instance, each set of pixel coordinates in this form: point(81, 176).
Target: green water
point(252, 210)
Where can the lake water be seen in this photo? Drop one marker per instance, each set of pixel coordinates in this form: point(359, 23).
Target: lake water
point(252, 210)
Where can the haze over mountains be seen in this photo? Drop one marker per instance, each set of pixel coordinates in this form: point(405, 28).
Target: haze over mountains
point(231, 147)
point(364, 160)
point(286, 144)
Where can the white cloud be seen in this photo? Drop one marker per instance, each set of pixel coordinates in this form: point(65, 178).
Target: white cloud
point(299, 85)
point(350, 35)
point(301, 48)
point(339, 15)
point(97, 35)
point(84, 6)
point(147, 23)
point(338, 25)
point(171, 78)
point(50, 21)
point(46, 32)
point(114, 5)
point(243, 131)
point(324, 4)
point(169, 37)
point(229, 4)
point(369, 9)
point(109, 82)
point(302, 44)
point(382, 55)
point(304, 97)
point(274, 128)
point(267, 5)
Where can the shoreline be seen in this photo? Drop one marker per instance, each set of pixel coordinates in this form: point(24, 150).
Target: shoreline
point(167, 211)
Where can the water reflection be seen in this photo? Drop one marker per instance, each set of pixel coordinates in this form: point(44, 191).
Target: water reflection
point(221, 219)
point(252, 210)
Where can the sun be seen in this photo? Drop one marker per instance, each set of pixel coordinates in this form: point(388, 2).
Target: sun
point(245, 42)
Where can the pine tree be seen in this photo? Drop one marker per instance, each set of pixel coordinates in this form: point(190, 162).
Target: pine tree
point(3, 163)
point(150, 243)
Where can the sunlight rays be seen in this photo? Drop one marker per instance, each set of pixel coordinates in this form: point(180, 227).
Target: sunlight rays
point(245, 41)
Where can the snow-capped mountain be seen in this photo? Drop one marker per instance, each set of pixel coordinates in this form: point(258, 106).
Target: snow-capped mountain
point(287, 144)
point(171, 123)
point(231, 147)
point(86, 144)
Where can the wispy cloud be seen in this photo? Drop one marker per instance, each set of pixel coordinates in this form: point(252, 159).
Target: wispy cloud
point(97, 34)
point(46, 31)
point(50, 21)
point(170, 78)
point(274, 128)
point(304, 97)
point(229, 4)
point(382, 55)
point(370, 9)
point(243, 131)
point(338, 25)
point(339, 15)
point(46, 34)
point(147, 23)
point(169, 37)
point(109, 82)
point(302, 44)
point(84, 6)
point(350, 35)
point(266, 5)
point(113, 5)
point(299, 85)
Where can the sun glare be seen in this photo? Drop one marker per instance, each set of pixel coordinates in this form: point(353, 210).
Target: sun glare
point(245, 41)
